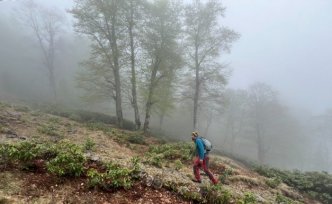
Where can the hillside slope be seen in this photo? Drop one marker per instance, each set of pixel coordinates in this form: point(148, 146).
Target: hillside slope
point(164, 174)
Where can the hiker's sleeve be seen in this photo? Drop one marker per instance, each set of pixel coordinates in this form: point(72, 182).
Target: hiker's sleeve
point(200, 148)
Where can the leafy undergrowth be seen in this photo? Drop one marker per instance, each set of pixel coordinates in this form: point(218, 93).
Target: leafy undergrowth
point(51, 159)
point(316, 184)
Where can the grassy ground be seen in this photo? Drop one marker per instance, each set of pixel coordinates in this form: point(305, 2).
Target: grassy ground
point(106, 143)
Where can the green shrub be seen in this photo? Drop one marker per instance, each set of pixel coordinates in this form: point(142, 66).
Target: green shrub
point(69, 160)
point(95, 179)
point(174, 151)
point(160, 154)
point(192, 196)
point(273, 182)
point(136, 139)
point(155, 159)
point(248, 198)
point(89, 144)
point(178, 164)
point(183, 191)
point(135, 167)
point(54, 120)
point(280, 199)
point(7, 154)
point(316, 184)
point(225, 175)
point(115, 177)
point(216, 194)
point(25, 153)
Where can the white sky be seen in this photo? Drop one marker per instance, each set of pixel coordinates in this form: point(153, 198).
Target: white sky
point(285, 43)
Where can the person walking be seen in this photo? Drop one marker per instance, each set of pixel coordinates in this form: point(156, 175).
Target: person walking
point(201, 159)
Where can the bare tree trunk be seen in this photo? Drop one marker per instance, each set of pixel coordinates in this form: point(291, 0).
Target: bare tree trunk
point(53, 85)
point(149, 100)
point(51, 68)
point(116, 70)
point(48, 51)
point(208, 124)
point(161, 120)
point(197, 88)
point(232, 137)
point(147, 115)
point(260, 144)
point(133, 72)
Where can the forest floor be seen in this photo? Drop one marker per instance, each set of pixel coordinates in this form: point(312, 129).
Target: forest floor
point(19, 123)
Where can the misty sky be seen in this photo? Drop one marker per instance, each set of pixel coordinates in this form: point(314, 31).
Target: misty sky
point(287, 44)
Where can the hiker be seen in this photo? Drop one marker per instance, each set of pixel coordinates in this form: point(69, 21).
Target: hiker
point(201, 159)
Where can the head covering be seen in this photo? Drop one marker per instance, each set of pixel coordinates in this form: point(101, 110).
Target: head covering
point(195, 133)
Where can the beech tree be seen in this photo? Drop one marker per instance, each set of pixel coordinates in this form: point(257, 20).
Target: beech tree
point(205, 39)
point(102, 21)
point(134, 12)
point(160, 41)
point(47, 26)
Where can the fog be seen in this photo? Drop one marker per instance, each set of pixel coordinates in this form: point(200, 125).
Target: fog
point(286, 44)
point(283, 56)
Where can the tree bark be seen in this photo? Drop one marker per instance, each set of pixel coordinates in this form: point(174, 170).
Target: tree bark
point(116, 70)
point(133, 71)
point(149, 100)
point(260, 144)
point(197, 88)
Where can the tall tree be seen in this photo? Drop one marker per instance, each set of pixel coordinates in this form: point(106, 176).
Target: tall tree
point(160, 41)
point(102, 21)
point(236, 110)
point(166, 98)
point(46, 25)
point(134, 13)
point(205, 39)
point(263, 103)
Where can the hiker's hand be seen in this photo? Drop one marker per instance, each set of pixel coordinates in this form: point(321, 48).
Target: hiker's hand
point(201, 161)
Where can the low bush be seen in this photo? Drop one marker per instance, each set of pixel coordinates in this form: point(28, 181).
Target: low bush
point(316, 184)
point(7, 152)
point(69, 160)
point(89, 144)
point(158, 155)
point(155, 159)
point(248, 198)
point(136, 139)
point(174, 151)
point(26, 153)
point(223, 177)
point(114, 178)
point(178, 164)
point(280, 199)
point(216, 194)
point(273, 182)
